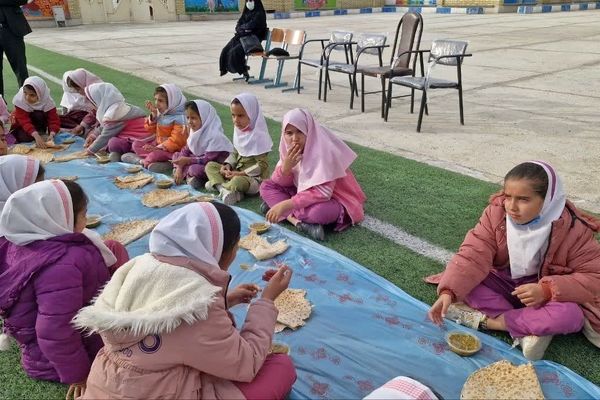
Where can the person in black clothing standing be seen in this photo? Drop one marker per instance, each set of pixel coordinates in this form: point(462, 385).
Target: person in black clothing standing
point(13, 27)
point(252, 22)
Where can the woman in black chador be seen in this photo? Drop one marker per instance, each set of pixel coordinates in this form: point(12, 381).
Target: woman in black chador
point(252, 22)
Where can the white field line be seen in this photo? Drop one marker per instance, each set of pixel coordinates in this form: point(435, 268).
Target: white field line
point(382, 228)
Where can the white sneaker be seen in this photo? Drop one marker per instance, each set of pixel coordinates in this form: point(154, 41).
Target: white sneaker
point(209, 186)
point(534, 347)
point(230, 197)
point(464, 315)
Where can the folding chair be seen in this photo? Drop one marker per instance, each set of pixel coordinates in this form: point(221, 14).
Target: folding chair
point(290, 38)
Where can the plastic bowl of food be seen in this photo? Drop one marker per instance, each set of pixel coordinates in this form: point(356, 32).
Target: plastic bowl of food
point(103, 159)
point(463, 343)
point(260, 227)
point(164, 183)
point(133, 169)
point(93, 221)
point(69, 140)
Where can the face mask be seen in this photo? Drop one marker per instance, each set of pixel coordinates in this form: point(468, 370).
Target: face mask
point(250, 5)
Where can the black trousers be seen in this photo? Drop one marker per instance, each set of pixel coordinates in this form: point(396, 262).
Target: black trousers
point(14, 47)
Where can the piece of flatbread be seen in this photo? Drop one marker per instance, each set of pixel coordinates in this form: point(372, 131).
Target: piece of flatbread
point(293, 308)
point(136, 181)
point(503, 381)
point(19, 149)
point(78, 155)
point(260, 247)
point(68, 178)
point(192, 199)
point(279, 327)
point(130, 231)
point(163, 197)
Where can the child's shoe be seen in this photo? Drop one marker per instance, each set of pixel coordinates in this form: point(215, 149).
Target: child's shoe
point(114, 156)
point(264, 208)
point(534, 347)
point(315, 231)
point(464, 315)
point(209, 187)
point(230, 197)
point(196, 183)
point(161, 167)
point(130, 158)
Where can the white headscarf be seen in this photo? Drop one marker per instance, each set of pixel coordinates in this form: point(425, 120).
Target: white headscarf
point(194, 231)
point(175, 98)
point(528, 243)
point(42, 211)
point(256, 139)
point(71, 99)
point(210, 137)
point(402, 388)
point(16, 172)
point(44, 103)
point(109, 102)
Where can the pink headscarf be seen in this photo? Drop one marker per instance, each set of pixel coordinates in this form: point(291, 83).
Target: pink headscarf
point(326, 157)
point(71, 99)
point(402, 388)
point(44, 103)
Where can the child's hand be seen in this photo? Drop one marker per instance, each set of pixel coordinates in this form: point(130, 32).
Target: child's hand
point(75, 390)
point(149, 147)
point(530, 294)
point(89, 140)
point(225, 168)
point(278, 283)
point(152, 108)
point(269, 274)
point(244, 293)
point(276, 213)
point(182, 161)
point(39, 142)
point(438, 310)
point(292, 158)
point(178, 176)
point(78, 130)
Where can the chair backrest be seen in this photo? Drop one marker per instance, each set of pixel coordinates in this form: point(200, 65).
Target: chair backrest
point(447, 47)
point(294, 37)
point(410, 29)
point(370, 39)
point(277, 35)
point(340, 37)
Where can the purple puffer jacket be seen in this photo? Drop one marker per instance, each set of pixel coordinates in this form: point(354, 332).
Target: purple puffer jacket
point(42, 286)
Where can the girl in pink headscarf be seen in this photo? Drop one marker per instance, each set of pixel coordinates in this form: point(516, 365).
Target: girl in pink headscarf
point(35, 113)
point(80, 115)
point(312, 184)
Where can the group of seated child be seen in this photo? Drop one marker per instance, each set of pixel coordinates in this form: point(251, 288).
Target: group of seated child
point(158, 325)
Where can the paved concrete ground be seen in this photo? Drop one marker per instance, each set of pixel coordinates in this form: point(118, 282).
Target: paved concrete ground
point(531, 89)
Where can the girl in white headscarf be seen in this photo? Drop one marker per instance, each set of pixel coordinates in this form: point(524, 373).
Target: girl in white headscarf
point(74, 102)
point(165, 323)
point(206, 142)
point(34, 114)
point(17, 172)
point(248, 165)
point(120, 123)
point(531, 266)
point(166, 125)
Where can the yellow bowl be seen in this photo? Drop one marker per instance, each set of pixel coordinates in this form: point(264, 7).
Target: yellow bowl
point(133, 169)
point(93, 221)
point(260, 227)
point(164, 183)
point(463, 343)
point(103, 160)
point(68, 140)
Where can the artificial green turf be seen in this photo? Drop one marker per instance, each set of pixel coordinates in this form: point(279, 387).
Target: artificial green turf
point(429, 202)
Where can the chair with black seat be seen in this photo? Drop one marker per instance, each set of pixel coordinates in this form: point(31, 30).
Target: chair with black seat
point(290, 39)
point(327, 46)
point(402, 61)
point(444, 53)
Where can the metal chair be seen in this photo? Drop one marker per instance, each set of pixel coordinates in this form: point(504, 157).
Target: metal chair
point(402, 62)
point(336, 37)
point(367, 43)
point(444, 53)
point(275, 35)
point(290, 38)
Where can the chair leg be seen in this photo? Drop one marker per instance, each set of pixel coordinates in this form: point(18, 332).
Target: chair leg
point(298, 76)
point(362, 92)
point(353, 88)
point(325, 91)
point(423, 106)
point(388, 100)
point(383, 99)
point(321, 81)
point(412, 101)
point(460, 105)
